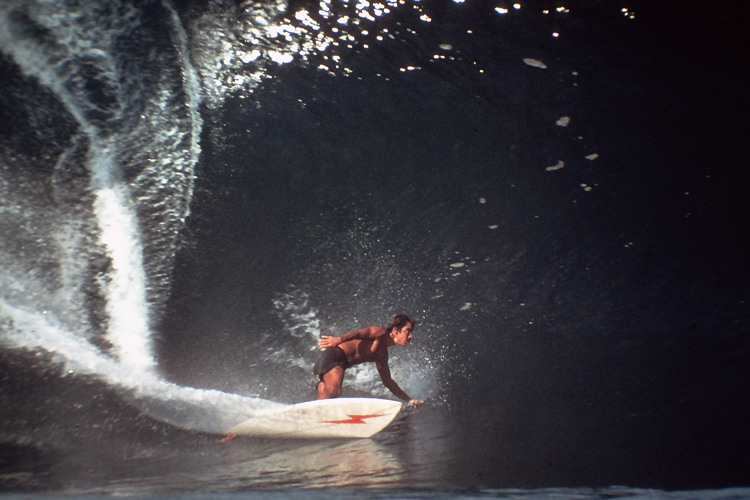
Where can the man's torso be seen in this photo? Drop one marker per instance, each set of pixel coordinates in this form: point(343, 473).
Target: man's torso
point(362, 351)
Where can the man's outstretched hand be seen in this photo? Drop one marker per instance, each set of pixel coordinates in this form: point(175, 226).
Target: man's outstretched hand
point(326, 341)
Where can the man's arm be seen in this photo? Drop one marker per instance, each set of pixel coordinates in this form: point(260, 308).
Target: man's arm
point(385, 375)
point(371, 332)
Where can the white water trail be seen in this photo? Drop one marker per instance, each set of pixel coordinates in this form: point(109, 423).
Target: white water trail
point(127, 309)
point(79, 35)
point(186, 407)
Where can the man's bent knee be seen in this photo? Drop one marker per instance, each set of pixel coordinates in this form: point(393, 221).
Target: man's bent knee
point(330, 385)
point(327, 392)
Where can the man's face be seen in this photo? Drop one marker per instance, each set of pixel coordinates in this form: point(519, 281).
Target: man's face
point(403, 336)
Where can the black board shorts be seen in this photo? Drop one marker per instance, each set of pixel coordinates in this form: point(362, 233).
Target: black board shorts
point(329, 359)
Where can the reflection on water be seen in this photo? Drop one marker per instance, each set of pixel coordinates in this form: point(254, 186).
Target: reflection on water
point(406, 454)
point(318, 464)
point(411, 453)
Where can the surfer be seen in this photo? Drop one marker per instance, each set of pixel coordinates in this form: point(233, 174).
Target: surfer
point(361, 346)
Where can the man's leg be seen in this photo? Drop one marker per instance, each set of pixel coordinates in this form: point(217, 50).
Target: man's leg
point(330, 386)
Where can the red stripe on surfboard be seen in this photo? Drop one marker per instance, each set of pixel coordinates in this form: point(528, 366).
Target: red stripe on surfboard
point(354, 419)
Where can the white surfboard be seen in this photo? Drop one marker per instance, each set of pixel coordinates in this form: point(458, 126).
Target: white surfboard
point(327, 418)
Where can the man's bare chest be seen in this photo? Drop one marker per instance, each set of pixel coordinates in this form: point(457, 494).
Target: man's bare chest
point(366, 350)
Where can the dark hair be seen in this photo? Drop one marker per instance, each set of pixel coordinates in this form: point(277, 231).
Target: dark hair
point(398, 322)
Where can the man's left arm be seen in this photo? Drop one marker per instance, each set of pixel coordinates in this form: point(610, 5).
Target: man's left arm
point(385, 375)
point(372, 332)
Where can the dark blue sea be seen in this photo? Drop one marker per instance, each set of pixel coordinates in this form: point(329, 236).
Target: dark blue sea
point(193, 192)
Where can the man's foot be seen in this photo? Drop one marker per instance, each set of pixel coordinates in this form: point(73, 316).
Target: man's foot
point(227, 438)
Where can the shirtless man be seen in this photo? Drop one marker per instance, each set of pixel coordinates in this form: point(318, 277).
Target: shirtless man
point(360, 346)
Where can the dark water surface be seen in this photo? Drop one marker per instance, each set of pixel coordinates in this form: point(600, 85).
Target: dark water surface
point(193, 193)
